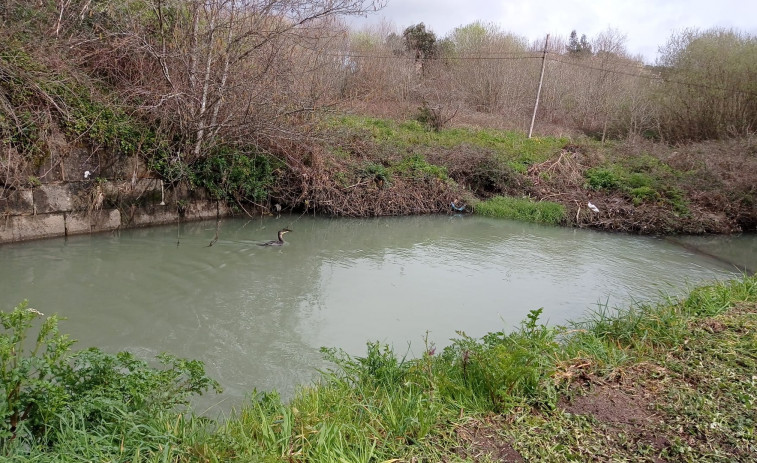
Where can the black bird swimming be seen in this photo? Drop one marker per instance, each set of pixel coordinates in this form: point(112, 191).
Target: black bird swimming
point(279, 241)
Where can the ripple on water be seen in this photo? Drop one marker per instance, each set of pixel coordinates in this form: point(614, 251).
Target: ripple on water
point(257, 316)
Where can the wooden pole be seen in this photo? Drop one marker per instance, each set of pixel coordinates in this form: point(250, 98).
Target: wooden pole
point(541, 80)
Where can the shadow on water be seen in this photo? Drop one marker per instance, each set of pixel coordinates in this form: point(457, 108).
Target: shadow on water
point(734, 253)
point(257, 315)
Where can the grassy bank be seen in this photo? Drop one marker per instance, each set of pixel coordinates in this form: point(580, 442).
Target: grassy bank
point(636, 185)
point(82, 90)
point(522, 209)
point(672, 381)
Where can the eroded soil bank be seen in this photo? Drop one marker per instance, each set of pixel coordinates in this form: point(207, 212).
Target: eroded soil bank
point(371, 167)
point(363, 167)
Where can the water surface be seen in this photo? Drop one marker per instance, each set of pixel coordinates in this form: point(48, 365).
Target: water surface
point(257, 315)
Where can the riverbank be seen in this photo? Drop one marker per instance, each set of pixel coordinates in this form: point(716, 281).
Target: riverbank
point(672, 381)
point(379, 166)
point(92, 108)
point(360, 166)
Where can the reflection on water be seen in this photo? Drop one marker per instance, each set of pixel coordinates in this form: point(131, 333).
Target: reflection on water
point(257, 315)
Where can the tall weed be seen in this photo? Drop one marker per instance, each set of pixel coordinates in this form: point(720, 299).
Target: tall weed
point(88, 402)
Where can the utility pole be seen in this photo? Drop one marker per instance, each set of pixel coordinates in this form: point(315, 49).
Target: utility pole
point(538, 92)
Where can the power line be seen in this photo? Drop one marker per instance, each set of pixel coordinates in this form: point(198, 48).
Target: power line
point(527, 55)
point(602, 69)
point(519, 56)
point(655, 78)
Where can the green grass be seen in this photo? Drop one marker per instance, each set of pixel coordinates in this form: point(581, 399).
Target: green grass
point(643, 178)
point(527, 210)
point(691, 360)
point(416, 166)
point(509, 145)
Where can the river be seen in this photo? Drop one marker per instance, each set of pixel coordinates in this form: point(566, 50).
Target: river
point(257, 315)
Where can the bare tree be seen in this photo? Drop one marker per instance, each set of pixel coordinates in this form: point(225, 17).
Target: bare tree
point(709, 88)
point(491, 68)
point(227, 63)
point(225, 71)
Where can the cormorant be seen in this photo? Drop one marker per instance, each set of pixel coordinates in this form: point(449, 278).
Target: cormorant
point(279, 241)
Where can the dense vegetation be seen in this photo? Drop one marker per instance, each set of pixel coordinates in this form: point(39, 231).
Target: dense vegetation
point(638, 186)
point(238, 98)
point(625, 386)
point(255, 102)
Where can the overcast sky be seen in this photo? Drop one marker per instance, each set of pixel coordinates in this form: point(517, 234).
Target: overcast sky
point(647, 23)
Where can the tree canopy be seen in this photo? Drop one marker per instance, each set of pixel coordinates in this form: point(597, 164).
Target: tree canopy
point(578, 47)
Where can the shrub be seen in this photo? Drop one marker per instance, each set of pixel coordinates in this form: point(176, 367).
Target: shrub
point(30, 387)
point(416, 166)
point(432, 117)
point(642, 178)
point(601, 178)
point(504, 368)
point(377, 172)
point(235, 175)
point(643, 194)
point(46, 390)
point(717, 101)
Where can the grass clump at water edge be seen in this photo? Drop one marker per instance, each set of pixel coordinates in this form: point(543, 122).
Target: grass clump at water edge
point(524, 209)
point(644, 362)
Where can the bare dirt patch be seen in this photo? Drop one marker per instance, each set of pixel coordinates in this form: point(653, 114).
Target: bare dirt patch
point(713, 326)
point(610, 405)
point(744, 307)
point(622, 410)
point(481, 441)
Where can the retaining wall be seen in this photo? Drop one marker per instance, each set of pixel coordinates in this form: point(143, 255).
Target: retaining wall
point(64, 208)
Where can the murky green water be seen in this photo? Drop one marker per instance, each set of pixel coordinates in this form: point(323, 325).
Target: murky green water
point(257, 316)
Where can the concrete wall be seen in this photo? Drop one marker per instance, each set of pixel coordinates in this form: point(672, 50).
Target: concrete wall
point(62, 208)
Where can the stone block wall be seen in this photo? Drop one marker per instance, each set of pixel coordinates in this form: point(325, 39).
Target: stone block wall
point(62, 208)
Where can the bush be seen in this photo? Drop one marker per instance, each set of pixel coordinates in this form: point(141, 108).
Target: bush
point(416, 166)
point(709, 85)
point(642, 178)
point(235, 175)
point(502, 368)
point(431, 117)
point(31, 389)
point(600, 178)
point(48, 392)
point(643, 194)
point(377, 172)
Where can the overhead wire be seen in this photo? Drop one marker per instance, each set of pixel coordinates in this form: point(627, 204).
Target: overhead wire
point(554, 57)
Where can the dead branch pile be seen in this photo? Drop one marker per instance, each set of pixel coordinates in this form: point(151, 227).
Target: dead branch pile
point(310, 183)
point(480, 172)
point(566, 167)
